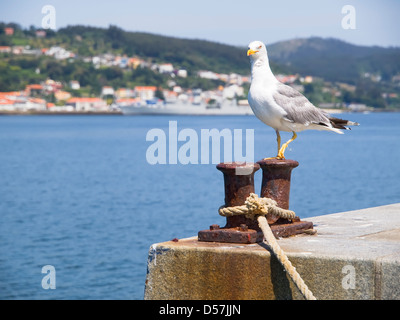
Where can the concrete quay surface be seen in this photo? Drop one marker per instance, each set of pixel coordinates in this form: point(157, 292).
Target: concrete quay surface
point(355, 255)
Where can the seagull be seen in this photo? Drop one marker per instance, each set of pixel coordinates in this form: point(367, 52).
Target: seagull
point(282, 107)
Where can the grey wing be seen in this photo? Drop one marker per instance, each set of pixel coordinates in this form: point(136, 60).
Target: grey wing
point(297, 107)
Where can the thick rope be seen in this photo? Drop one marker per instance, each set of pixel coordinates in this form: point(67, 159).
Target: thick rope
point(283, 259)
point(256, 207)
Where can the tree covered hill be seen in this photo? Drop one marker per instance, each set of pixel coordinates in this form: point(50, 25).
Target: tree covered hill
point(336, 60)
point(330, 59)
point(189, 54)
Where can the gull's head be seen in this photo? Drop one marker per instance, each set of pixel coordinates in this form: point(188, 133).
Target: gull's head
point(256, 49)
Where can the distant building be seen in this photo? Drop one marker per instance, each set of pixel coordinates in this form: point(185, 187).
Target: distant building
point(165, 68)
point(30, 51)
point(128, 101)
point(233, 78)
point(33, 89)
point(74, 85)
point(232, 91)
point(87, 104)
point(34, 104)
point(9, 31)
point(18, 101)
point(358, 107)
point(6, 104)
point(134, 62)
point(287, 78)
point(181, 73)
point(51, 85)
point(208, 75)
point(59, 53)
point(107, 91)
point(5, 49)
point(52, 107)
point(145, 92)
point(122, 93)
point(177, 89)
point(170, 96)
point(17, 49)
point(121, 62)
point(40, 33)
point(308, 79)
point(62, 95)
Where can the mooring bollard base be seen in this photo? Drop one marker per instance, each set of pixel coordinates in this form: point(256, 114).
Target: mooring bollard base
point(230, 235)
point(238, 235)
point(283, 230)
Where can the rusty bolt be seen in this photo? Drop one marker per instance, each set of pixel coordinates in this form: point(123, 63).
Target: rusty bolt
point(243, 227)
point(214, 227)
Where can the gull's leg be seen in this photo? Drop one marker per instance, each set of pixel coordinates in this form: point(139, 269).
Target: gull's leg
point(284, 146)
point(278, 140)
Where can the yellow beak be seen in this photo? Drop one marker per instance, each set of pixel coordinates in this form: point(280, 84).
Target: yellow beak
point(250, 52)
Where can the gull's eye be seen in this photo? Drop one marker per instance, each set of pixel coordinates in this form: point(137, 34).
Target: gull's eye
point(259, 47)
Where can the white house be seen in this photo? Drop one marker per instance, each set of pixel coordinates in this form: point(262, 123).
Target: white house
point(182, 73)
point(145, 92)
point(208, 75)
point(75, 85)
point(6, 104)
point(165, 68)
point(87, 104)
point(59, 53)
point(107, 91)
point(232, 91)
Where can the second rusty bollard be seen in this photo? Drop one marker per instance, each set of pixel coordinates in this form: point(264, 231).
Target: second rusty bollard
point(276, 185)
point(276, 182)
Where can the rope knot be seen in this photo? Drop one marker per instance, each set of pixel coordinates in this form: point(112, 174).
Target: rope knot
point(256, 206)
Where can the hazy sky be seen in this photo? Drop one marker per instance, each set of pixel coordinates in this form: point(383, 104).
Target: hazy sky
point(227, 21)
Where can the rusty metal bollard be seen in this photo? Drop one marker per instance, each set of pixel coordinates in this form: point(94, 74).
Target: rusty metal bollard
point(237, 189)
point(276, 182)
point(239, 183)
point(275, 185)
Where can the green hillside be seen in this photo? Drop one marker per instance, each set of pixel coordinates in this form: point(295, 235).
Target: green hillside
point(335, 60)
point(369, 69)
point(331, 59)
point(189, 54)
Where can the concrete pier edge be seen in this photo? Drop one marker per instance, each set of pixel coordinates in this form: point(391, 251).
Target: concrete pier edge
point(355, 255)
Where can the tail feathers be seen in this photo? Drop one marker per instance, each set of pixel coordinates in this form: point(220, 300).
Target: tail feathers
point(341, 123)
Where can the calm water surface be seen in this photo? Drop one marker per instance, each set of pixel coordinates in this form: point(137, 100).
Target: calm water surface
point(76, 192)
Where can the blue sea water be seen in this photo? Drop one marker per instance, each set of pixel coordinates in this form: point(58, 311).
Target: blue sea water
point(77, 193)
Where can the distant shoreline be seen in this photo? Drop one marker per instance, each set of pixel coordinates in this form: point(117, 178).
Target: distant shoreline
point(119, 113)
point(60, 113)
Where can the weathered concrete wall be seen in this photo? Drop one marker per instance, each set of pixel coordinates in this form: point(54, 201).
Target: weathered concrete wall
point(355, 255)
